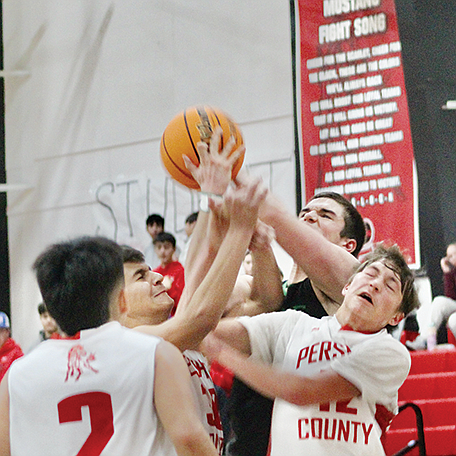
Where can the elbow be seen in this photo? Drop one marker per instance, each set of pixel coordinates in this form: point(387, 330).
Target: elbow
point(190, 441)
point(296, 398)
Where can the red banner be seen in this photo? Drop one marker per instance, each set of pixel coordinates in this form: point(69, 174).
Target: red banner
point(353, 116)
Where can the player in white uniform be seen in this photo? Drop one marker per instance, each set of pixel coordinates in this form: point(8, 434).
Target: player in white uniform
point(87, 394)
point(335, 380)
point(208, 285)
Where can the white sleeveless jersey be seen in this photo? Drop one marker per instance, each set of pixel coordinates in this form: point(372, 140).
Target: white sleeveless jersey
point(204, 392)
point(87, 396)
point(376, 364)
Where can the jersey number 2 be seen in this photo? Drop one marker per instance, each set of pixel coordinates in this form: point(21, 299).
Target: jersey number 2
point(101, 419)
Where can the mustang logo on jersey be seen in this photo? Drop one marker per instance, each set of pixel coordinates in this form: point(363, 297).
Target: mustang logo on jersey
point(78, 361)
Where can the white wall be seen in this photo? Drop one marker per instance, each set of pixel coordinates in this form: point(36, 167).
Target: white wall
point(105, 77)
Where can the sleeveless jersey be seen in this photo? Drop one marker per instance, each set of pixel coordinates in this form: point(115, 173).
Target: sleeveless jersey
point(204, 392)
point(251, 436)
point(376, 364)
point(87, 396)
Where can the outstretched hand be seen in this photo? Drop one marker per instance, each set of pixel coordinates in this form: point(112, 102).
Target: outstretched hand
point(262, 237)
point(214, 171)
point(243, 203)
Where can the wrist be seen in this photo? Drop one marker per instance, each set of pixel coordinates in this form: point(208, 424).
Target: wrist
point(211, 194)
point(204, 200)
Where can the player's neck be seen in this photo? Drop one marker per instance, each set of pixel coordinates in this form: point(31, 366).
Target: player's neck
point(150, 320)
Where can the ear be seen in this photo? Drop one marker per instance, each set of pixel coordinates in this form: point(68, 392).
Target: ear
point(396, 319)
point(122, 302)
point(348, 244)
point(345, 289)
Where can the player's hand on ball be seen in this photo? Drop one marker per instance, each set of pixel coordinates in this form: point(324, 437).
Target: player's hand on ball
point(215, 169)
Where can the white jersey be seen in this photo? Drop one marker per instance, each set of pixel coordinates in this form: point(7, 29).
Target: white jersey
point(87, 396)
point(204, 392)
point(376, 364)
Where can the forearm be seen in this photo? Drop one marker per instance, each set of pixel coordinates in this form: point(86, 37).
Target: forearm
point(274, 383)
point(195, 444)
point(209, 300)
point(267, 291)
point(202, 252)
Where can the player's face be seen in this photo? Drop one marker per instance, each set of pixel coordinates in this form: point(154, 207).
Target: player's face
point(373, 298)
point(145, 293)
point(326, 216)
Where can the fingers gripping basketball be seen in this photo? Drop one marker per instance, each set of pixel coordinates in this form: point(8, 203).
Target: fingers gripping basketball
point(183, 133)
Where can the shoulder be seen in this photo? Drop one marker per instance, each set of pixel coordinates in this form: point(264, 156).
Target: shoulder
point(276, 322)
point(176, 265)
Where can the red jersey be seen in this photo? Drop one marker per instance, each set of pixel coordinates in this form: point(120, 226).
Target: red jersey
point(175, 271)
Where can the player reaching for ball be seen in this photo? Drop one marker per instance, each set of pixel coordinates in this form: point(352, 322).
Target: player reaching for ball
point(335, 380)
point(210, 276)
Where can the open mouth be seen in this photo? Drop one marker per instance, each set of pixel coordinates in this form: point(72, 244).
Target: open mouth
point(366, 297)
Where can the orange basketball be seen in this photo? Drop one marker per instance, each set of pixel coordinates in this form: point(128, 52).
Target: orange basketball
point(183, 133)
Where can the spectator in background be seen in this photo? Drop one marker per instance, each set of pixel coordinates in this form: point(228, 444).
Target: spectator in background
point(444, 307)
point(172, 271)
point(49, 325)
point(9, 349)
point(247, 264)
point(155, 224)
point(190, 223)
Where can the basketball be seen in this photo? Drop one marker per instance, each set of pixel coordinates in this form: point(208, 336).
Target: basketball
point(185, 130)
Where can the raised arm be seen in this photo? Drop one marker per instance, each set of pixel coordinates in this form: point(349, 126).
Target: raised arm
point(326, 264)
point(262, 292)
point(188, 327)
point(213, 176)
point(175, 406)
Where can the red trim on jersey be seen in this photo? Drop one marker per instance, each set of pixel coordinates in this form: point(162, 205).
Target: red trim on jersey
point(221, 376)
point(349, 328)
point(59, 336)
point(383, 417)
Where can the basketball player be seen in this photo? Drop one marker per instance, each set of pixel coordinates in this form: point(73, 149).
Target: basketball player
point(88, 394)
point(325, 240)
point(335, 380)
point(201, 306)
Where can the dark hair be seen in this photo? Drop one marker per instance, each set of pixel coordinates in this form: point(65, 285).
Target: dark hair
point(42, 308)
point(131, 255)
point(192, 218)
point(155, 219)
point(165, 237)
point(393, 258)
point(354, 224)
point(77, 279)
